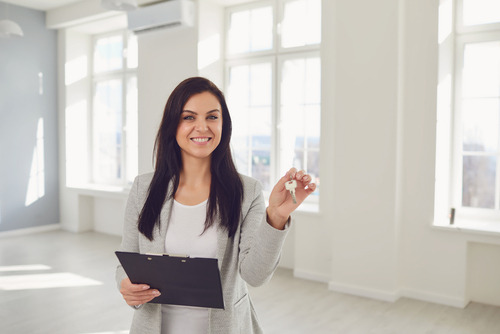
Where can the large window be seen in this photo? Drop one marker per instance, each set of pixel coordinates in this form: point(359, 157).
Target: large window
point(475, 116)
point(101, 131)
point(114, 109)
point(273, 85)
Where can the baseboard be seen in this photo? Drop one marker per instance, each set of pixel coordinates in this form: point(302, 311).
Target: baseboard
point(434, 298)
point(30, 230)
point(311, 276)
point(364, 292)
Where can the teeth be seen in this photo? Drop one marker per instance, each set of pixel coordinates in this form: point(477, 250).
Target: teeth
point(200, 140)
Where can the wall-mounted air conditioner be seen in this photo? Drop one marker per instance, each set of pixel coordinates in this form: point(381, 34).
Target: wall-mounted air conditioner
point(173, 13)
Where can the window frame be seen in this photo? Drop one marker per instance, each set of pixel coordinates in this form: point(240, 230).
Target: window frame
point(249, 6)
point(259, 60)
point(281, 17)
point(461, 28)
point(123, 75)
point(468, 35)
point(277, 55)
point(281, 58)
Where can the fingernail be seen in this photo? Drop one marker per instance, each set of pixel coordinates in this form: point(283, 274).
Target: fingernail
point(145, 287)
point(156, 293)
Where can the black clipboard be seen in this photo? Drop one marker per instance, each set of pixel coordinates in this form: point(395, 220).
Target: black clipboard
point(180, 279)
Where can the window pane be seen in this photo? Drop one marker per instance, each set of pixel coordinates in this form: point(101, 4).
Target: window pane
point(301, 23)
point(313, 124)
point(480, 123)
point(261, 167)
point(261, 123)
point(132, 52)
point(261, 29)
point(239, 32)
point(107, 125)
point(241, 159)
point(251, 30)
point(298, 160)
point(481, 71)
point(239, 85)
point(293, 82)
point(313, 81)
point(241, 131)
point(479, 175)
point(292, 129)
point(76, 143)
point(300, 112)
point(313, 169)
point(481, 11)
point(261, 81)
point(250, 104)
point(132, 129)
point(108, 54)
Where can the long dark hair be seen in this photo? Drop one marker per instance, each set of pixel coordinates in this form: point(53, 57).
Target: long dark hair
point(226, 188)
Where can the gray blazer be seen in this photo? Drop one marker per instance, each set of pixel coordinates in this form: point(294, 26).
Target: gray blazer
point(251, 256)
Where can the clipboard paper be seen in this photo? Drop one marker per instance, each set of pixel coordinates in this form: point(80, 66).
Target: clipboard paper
point(181, 280)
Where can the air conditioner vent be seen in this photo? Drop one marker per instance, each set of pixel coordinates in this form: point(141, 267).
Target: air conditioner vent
point(163, 15)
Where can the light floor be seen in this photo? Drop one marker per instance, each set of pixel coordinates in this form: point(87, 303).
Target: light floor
point(284, 305)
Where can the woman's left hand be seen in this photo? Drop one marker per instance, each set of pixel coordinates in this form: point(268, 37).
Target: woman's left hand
point(280, 202)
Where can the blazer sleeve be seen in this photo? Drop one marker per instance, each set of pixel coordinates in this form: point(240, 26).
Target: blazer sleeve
point(260, 243)
point(130, 239)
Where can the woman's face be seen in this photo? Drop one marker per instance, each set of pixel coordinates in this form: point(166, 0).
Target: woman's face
point(200, 126)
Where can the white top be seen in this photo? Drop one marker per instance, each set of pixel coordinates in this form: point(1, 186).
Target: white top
point(184, 236)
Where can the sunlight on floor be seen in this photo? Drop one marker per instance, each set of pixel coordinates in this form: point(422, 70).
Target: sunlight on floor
point(44, 281)
point(25, 267)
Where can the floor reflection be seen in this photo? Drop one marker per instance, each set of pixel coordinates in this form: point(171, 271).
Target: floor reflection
point(44, 281)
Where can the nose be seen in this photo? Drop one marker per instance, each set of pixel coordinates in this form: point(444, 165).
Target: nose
point(201, 125)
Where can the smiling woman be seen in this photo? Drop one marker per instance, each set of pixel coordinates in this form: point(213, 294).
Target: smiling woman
point(196, 203)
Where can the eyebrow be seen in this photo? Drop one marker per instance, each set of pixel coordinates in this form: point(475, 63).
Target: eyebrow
point(195, 113)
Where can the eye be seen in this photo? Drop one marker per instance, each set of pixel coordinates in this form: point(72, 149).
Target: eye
point(188, 118)
point(213, 117)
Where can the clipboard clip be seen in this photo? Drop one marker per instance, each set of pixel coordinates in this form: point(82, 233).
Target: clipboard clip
point(167, 254)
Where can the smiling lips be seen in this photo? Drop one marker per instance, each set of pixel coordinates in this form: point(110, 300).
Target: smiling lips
point(201, 140)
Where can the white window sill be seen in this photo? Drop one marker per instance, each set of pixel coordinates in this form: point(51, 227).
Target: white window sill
point(98, 190)
point(484, 227)
point(308, 208)
point(305, 208)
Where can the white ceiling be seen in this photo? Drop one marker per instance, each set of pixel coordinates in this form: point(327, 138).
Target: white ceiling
point(51, 4)
point(40, 4)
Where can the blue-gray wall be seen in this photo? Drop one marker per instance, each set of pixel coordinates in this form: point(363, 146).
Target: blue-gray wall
point(21, 106)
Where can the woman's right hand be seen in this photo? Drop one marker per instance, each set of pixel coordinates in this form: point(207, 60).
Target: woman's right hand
point(137, 294)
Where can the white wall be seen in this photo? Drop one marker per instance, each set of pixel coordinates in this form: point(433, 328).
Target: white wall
point(481, 274)
point(374, 234)
point(211, 42)
point(166, 57)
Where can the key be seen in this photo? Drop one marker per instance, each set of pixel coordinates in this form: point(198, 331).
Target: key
point(290, 186)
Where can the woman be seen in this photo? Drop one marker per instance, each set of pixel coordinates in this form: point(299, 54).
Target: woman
point(195, 203)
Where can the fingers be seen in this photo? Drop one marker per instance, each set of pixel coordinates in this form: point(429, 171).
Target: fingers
point(303, 177)
point(138, 298)
point(137, 294)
